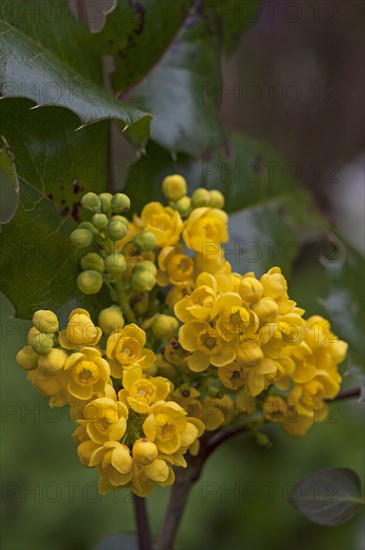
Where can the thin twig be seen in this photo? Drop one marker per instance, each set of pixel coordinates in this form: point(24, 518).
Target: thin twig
point(143, 528)
point(346, 394)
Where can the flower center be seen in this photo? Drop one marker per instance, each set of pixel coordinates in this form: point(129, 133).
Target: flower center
point(127, 350)
point(165, 427)
point(85, 373)
point(209, 341)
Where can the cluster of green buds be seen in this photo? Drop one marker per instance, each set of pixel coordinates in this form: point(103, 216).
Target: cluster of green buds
point(174, 188)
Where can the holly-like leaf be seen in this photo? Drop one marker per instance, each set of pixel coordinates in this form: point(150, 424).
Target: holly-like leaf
point(137, 35)
point(271, 210)
point(331, 496)
point(9, 183)
point(48, 58)
point(56, 166)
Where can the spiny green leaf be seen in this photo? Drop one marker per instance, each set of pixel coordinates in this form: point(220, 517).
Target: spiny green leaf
point(9, 183)
point(330, 496)
point(46, 58)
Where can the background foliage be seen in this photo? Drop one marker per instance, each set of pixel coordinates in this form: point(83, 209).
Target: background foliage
point(165, 92)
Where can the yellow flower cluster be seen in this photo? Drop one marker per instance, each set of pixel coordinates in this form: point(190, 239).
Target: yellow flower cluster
point(132, 437)
point(232, 344)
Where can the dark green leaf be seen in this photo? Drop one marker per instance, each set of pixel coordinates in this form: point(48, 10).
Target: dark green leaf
point(183, 91)
point(56, 166)
point(47, 58)
point(232, 17)
point(330, 496)
point(137, 34)
point(9, 183)
point(61, 163)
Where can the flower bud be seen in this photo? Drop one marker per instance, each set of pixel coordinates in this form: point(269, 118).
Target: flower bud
point(147, 264)
point(216, 199)
point(46, 321)
point(158, 470)
point(90, 227)
point(32, 332)
point(164, 326)
point(121, 219)
point(106, 200)
point(274, 283)
point(81, 238)
point(145, 241)
point(27, 358)
point(91, 202)
point(200, 197)
point(117, 230)
point(144, 451)
point(249, 353)
point(92, 261)
point(250, 289)
point(115, 264)
point(262, 440)
point(90, 282)
point(183, 205)
point(174, 187)
point(143, 280)
point(120, 203)
point(110, 319)
point(42, 343)
point(53, 361)
point(266, 309)
point(99, 220)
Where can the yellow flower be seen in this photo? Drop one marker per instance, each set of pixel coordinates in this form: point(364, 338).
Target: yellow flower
point(174, 187)
point(80, 331)
point(205, 227)
point(163, 222)
point(53, 362)
point(233, 321)
point(168, 428)
point(112, 460)
point(294, 419)
point(217, 411)
point(198, 305)
point(88, 373)
point(189, 401)
point(126, 346)
point(211, 260)
point(207, 346)
point(174, 267)
point(177, 293)
point(104, 420)
point(233, 376)
point(50, 386)
point(144, 451)
point(141, 391)
point(274, 283)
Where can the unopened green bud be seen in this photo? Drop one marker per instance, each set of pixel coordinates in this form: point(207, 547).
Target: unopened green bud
point(120, 203)
point(81, 238)
point(143, 280)
point(118, 218)
point(115, 264)
point(164, 326)
point(27, 358)
point(42, 343)
point(147, 264)
point(106, 201)
point(90, 227)
point(117, 230)
point(91, 202)
point(200, 197)
point(92, 261)
point(145, 241)
point(100, 220)
point(110, 319)
point(32, 332)
point(183, 205)
point(174, 187)
point(216, 199)
point(90, 281)
point(46, 321)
